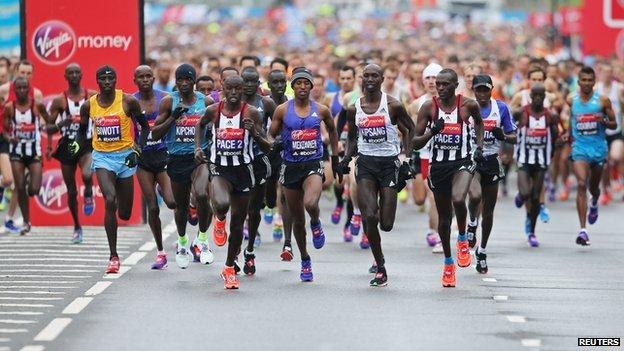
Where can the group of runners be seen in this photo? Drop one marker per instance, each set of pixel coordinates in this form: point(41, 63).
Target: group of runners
point(235, 146)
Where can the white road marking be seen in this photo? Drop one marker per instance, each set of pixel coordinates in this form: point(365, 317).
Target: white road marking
point(490, 280)
point(49, 270)
point(500, 298)
point(20, 313)
point(11, 331)
point(34, 287)
point(34, 305)
point(32, 292)
point(48, 259)
point(33, 348)
point(38, 251)
point(43, 276)
point(77, 305)
point(134, 258)
point(54, 265)
point(23, 244)
point(16, 321)
point(516, 319)
point(148, 246)
point(122, 270)
point(97, 288)
point(4, 340)
point(531, 342)
point(52, 330)
point(31, 298)
point(39, 282)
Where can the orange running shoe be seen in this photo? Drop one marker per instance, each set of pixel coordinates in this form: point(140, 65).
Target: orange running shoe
point(219, 235)
point(448, 276)
point(113, 266)
point(463, 254)
point(229, 278)
point(605, 198)
point(564, 194)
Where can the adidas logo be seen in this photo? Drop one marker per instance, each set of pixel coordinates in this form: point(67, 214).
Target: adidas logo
point(260, 109)
point(383, 110)
point(392, 183)
point(314, 114)
point(229, 123)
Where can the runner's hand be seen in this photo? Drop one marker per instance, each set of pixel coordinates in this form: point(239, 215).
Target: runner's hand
point(477, 155)
point(132, 159)
point(498, 133)
point(414, 162)
point(74, 147)
point(437, 126)
point(336, 169)
point(344, 165)
point(200, 156)
point(249, 124)
point(178, 111)
point(277, 145)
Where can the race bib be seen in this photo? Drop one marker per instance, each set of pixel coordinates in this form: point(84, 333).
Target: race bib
point(488, 135)
point(71, 130)
point(449, 138)
point(185, 128)
point(25, 131)
point(587, 124)
point(108, 128)
point(373, 129)
point(304, 142)
point(230, 141)
point(536, 138)
point(150, 140)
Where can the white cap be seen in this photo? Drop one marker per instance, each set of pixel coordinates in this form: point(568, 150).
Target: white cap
point(432, 70)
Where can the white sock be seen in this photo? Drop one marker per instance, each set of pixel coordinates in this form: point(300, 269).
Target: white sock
point(356, 211)
point(583, 229)
point(472, 223)
point(162, 253)
point(481, 250)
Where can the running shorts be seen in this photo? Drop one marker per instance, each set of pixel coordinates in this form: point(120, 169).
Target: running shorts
point(113, 161)
point(292, 174)
point(441, 175)
point(241, 177)
point(262, 169)
point(491, 170)
point(153, 161)
point(383, 170)
point(65, 157)
point(180, 168)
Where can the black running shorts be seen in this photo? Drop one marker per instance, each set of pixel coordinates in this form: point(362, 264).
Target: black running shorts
point(441, 175)
point(383, 170)
point(241, 177)
point(292, 174)
point(153, 161)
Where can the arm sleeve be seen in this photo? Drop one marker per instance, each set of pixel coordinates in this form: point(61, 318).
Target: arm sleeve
point(506, 122)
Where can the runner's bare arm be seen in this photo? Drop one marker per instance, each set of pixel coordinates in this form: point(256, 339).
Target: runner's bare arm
point(421, 134)
point(200, 130)
point(404, 123)
point(607, 110)
point(134, 111)
point(554, 127)
point(473, 109)
point(516, 101)
point(38, 95)
point(8, 116)
point(277, 121)
point(163, 122)
point(269, 107)
point(331, 128)
point(56, 108)
point(253, 123)
point(351, 147)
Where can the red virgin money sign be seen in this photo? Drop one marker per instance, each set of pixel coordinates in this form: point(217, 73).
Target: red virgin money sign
point(90, 33)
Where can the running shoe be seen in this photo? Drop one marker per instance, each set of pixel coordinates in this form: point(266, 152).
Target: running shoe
point(432, 239)
point(268, 215)
point(192, 215)
point(448, 276)
point(219, 234)
point(481, 259)
point(364, 244)
point(195, 250)
point(77, 236)
point(88, 205)
point(437, 249)
point(471, 233)
point(306, 271)
point(10, 227)
point(605, 198)
point(402, 196)
point(236, 266)
point(257, 241)
point(346, 235)
point(278, 230)
point(527, 225)
point(583, 239)
point(25, 229)
point(592, 216)
point(544, 214)
point(463, 254)
point(318, 237)
point(335, 216)
point(245, 232)
point(113, 265)
point(229, 278)
point(160, 263)
point(356, 223)
point(206, 256)
point(552, 193)
point(373, 268)
point(518, 200)
point(532, 240)
point(564, 194)
point(380, 280)
point(250, 263)
point(287, 254)
point(183, 257)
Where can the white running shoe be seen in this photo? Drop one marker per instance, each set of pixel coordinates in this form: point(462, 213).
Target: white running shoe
point(183, 257)
point(206, 256)
point(437, 248)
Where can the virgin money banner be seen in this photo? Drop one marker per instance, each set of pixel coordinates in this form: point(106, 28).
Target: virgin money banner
point(90, 33)
point(602, 26)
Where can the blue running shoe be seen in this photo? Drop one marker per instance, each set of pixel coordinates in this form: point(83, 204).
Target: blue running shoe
point(257, 241)
point(268, 215)
point(335, 217)
point(544, 214)
point(77, 237)
point(306, 271)
point(532, 240)
point(318, 237)
point(592, 217)
point(278, 232)
point(527, 225)
point(583, 239)
point(518, 201)
point(88, 206)
point(11, 227)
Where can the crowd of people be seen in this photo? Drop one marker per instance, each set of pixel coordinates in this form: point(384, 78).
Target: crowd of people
point(263, 134)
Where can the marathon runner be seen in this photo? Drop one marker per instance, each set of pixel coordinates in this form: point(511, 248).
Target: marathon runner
point(536, 137)
point(452, 161)
point(65, 117)
point(590, 115)
point(498, 127)
point(115, 152)
point(299, 123)
point(374, 123)
point(236, 127)
point(152, 163)
point(178, 115)
point(22, 117)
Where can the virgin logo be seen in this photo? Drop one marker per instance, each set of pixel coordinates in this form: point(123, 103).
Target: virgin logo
point(305, 134)
point(54, 42)
point(52, 197)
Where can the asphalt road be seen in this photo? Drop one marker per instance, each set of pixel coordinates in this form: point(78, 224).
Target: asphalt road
point(54, 296)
